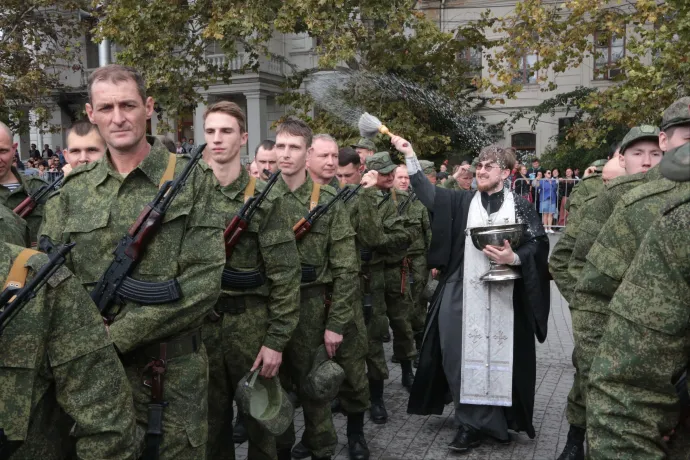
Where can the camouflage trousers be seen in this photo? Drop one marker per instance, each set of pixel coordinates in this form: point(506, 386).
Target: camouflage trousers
point(351, 355)
point(398, 308)
point(419, 278)
point(319, 433)
point(576, 411)
point(377, 369)
point(588, 328)
point(232, 343)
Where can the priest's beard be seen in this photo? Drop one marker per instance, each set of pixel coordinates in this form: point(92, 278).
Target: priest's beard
point(491, 186)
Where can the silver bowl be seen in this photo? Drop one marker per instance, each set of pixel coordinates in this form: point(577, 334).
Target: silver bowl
point(494, 235)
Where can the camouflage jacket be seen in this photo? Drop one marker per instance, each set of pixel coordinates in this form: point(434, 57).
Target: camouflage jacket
point(632, 401)
point(585, 190)
point(56, 351)
point(97, 205)
point(329, 247)
point(451, 183)
point(13, 228)
point(268, 245)
point(29, 184)
point(418, 213)
point(392, 254)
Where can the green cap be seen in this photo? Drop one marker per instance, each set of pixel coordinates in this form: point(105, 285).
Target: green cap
point(364, 143)
point(266, 401)
point(638, 133)
point(381, 162)
point(675, 165)
point(677, 113)
point(428, 167)
point(323, 381)
point(599, 163)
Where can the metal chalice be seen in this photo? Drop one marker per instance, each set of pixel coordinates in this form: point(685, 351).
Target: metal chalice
point(494, 235)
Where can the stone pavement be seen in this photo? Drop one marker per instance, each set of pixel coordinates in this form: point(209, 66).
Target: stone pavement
point(418, 437)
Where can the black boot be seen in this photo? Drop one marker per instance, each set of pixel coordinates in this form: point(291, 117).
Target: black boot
point(378, 409)
point(575, 446)
point(284, 454)
point(416, 360)
point(418, 337)
point(239, 431)
point(386, 337)
point(395, 360)
point(407, 374)
point(335, 406)
point(300, 451)
point(356, 444)
point(465, 439)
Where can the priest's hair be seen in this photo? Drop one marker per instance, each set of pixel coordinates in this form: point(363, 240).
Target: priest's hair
point(503, 156)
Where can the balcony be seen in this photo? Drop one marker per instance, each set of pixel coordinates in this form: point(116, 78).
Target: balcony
point(240, 62)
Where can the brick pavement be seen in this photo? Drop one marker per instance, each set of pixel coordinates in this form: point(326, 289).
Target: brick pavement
point(417, 437)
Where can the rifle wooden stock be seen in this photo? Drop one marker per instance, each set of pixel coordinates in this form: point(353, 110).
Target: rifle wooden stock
point(298, 224)
point(143, 237)
point(301, 228)
point(25, 208)
point(233, 233)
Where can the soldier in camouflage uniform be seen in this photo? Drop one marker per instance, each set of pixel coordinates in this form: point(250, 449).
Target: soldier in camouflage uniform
point(13, 228)
point(429, 171)
point(632, 401)
point(639, 151)
point(322, 160)
point(55, 355)
point(364, 148)
point(98, 204)
point(257, 309)
point(14, 186)
point(329, 271)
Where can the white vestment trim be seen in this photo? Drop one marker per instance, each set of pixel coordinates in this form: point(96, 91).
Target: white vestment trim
point(487, 318)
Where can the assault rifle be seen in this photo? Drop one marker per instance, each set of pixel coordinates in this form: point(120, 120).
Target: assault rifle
point(116, 282)
point(305, 224)
point(351, 193)
point(13, 299)
point(27, 206)
point(385, 198)
point(402, 207)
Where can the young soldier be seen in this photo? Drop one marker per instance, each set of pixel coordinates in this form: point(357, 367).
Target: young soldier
point(364, 148)
point(98, 203)
point(265, 158)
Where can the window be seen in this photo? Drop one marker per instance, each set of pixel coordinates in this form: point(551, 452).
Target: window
point(473, 58)
point(609, 50)
point(525, 144)
point(564, 124)
point(91, 49)
point(525, 72)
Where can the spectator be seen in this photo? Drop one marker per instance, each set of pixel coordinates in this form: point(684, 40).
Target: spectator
point(565, 188)
point(535, 190)
point(178, 148)
point(442, 175)
point(57, 150)
point(548, 190)
point(536, 168)
point(18, 161)
point(521, 183)
point(33, 152)
point(47, 153)
point(185, 146)
point(576, 174)
point(254, 170)
point(42, 171)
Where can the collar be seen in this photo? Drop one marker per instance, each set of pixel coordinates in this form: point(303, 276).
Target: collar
point(152, 166)
point(493, 201)
point(237, 187)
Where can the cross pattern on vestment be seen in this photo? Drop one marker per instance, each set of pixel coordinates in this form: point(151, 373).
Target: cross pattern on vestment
point(500, 337)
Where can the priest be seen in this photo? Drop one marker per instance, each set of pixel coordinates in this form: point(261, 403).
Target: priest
point(479, 337)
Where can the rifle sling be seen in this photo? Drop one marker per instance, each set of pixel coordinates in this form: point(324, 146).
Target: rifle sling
point(250, 189)
point(315, 193)
point(169, 172)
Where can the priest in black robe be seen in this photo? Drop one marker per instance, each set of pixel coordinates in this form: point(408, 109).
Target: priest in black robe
point(440, 365)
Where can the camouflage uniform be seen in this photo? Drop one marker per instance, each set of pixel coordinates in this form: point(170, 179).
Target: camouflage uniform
point(98, 205)
point(329, 248)
point(419, 271)
point(13, 228)
point(55, 355)
point(246, 319)
point(29, 184)
point(451, 183)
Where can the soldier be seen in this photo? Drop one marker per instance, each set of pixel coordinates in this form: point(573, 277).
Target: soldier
point(265, 158)
point(98, 203)
point(364, 148)
point(329, 271)
point(56, 356)
point(13, 228)
point(15, 187)
point(639, 151)
point(257, 309)
point(429, 170)
point(416, 254)
point(461, 179)
point(632, 401)
point(322, 160)
point(84, 145)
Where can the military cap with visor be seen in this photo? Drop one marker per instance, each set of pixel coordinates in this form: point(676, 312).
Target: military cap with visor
point(364, 143)
point(381, 162)
point(266, 401)
point(676, 114)
point(428, 167)
point(639, 133)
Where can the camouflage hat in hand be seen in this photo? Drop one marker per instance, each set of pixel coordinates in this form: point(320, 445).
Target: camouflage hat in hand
point(675, 165)
point(676, 114)
point(266, 401)
point(639, 133)
point(381, 162)
point(323, 381)
point(364, 143)
point(428, 167)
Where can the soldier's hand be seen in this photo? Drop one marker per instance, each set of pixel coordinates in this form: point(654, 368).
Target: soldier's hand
point(270, 360)
point(589, 171)
point(332, 341)
point(460, 171)
point(402, 146)
point(370, 179)
point(67, 169)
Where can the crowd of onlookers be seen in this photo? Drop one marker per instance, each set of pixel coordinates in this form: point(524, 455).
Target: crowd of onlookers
point(46, 164)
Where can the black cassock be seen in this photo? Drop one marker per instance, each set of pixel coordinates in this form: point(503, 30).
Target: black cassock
point(531, 299)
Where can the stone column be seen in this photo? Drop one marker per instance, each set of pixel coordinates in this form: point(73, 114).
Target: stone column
point(199, 122)
point(257, 120)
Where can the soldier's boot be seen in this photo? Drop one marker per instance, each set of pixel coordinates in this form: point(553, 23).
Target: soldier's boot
point(284, 454)
point(575, 446)
point(336, 407)
point(407, 374)
point(300, 451)
point(356, 444)
point(239, 431)
point(386, 337)
point(395, 360)
point(378, 412)
point(418, 338)
point(415, 363)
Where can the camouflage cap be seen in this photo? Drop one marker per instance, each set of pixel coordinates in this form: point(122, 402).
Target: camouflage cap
point(473, 166)
point(639, 133)
point(675, 165)
point(323, 381)
point(364, 143)
point(599, 163)
point(266, 401)
point(428, 167)
point(381, 162)
point(676, 114)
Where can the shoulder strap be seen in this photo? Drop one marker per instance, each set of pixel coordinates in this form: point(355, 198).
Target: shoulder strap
point(394, 196)
point(250, 188)
point(19, 270)
point(169, 170)
point(315, 192)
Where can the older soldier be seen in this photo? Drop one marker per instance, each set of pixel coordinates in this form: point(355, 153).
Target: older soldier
point(429, 170)
point(257, 309)
point(329, 271)
point(364, 148)
point(15, 187)
point(322, 160)
point(13, 229)
point(98, 203)
point(55, 355)
point(265, 158)
point(632, 401)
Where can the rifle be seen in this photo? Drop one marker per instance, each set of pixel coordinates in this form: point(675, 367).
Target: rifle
point(302, 227)
point(27, 206)
point(13, 299)
point(385, 198)
point(241, 220)
point(131, 248)
point(367, 295)
point(351, 193)
point(402, 207)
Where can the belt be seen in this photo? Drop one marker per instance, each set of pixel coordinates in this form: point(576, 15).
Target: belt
point(188, 343)
point(312, 292)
